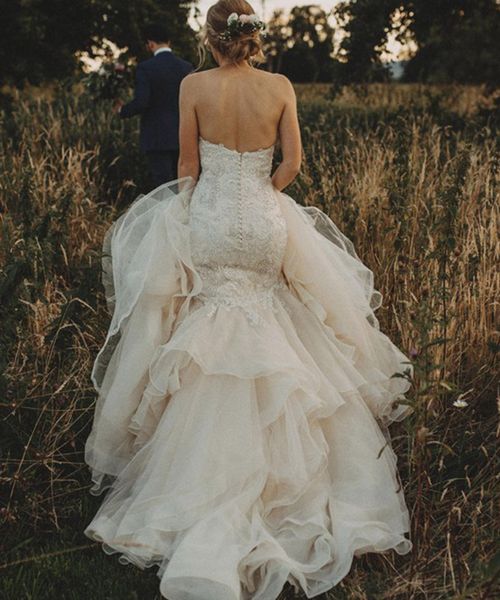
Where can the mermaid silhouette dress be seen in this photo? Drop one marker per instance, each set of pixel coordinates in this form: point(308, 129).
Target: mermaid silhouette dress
point(245, 390)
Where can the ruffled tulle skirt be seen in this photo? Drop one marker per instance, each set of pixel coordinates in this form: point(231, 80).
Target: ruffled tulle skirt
point(239, 453)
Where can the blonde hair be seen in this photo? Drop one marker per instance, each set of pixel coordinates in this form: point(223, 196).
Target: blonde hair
point(244, 46)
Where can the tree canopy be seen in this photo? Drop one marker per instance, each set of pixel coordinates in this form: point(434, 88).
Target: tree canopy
point(39, 38)
point(457, 40)
point(300, 44)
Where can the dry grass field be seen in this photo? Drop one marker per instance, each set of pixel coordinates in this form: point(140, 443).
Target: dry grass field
point(409, 173)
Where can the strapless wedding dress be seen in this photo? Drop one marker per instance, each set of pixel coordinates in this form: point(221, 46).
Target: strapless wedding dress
point(245, 390)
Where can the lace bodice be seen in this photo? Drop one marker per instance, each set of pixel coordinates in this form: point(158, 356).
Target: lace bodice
point(218, 161)
point(238, 234)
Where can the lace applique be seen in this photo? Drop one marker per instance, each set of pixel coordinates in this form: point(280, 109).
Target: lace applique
point(229, 286)
point(237, 232)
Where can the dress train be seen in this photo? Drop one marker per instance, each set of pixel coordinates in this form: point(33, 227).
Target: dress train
point(242, 437)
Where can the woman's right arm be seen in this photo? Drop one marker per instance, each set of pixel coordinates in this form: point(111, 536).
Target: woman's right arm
point(289, 133)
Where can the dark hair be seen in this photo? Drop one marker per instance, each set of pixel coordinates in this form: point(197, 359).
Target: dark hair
point(156, 33)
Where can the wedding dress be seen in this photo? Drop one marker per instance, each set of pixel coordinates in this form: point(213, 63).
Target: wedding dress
point(245, 390)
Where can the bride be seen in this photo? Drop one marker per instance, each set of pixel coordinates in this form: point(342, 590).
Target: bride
point(245, 387)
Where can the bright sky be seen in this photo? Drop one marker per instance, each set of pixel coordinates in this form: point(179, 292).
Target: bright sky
point(265, 8)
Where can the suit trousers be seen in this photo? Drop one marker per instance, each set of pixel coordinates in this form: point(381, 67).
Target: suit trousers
point(162, 165)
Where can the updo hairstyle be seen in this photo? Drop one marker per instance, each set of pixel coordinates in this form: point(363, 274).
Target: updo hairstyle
point(242, 46)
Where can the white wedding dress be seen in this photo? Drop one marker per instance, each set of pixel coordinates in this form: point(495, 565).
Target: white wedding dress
point(244, 392)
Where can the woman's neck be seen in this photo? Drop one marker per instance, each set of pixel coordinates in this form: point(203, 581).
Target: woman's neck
point(227, 64)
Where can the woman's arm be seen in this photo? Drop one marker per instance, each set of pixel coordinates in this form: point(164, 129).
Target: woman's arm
point(189, 158)
point(289, 133)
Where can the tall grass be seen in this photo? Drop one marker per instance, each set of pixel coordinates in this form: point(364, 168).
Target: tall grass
point(410, 173)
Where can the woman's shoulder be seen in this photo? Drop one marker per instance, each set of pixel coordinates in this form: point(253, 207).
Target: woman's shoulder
point(193, 84)
point(278, 83)
point(193, 78)
point(272, 78)
point(199, 82)
point(279, 88)
point(283, 82)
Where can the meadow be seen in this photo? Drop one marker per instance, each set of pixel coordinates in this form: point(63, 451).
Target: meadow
point(408, 172)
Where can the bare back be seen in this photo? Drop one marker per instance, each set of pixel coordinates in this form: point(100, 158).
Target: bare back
point(240, 109)
point(243, 109)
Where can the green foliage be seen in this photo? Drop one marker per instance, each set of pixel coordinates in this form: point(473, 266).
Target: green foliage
point(365, 23)
point(38, 40)
point(300, 46)
point(122, 22)
point(110, 82)
point(457, 39)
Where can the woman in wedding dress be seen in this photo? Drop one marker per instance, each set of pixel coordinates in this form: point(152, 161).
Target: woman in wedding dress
point(245, 387)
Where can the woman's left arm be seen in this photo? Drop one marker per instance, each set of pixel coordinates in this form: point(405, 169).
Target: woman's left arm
point(189, 158)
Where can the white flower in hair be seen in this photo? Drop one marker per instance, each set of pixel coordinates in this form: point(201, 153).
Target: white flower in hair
point(237, 24)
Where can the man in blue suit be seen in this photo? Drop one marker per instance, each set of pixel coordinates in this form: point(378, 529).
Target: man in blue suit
point(156, 99)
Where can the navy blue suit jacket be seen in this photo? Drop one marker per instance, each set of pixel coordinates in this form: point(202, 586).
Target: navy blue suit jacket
point(156, 99)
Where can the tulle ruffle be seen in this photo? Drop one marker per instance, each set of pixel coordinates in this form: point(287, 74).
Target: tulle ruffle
point(241, 456)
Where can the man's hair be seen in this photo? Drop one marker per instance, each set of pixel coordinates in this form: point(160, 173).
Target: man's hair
point(156, 33)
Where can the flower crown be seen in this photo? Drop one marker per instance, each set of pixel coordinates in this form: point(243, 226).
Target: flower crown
point(237, 24)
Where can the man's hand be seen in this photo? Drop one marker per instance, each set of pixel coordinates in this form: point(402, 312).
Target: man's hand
point(117, 106)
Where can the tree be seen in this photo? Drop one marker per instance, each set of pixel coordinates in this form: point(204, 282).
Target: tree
point(457, 40)
point(366, 24)
point(122, 22)
point(39, 38)
point(301, 45)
